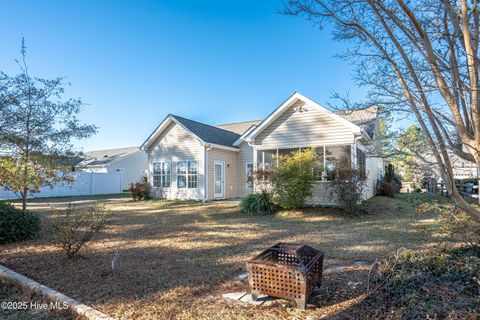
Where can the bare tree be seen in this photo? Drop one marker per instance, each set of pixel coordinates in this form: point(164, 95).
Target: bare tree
point(419, 57)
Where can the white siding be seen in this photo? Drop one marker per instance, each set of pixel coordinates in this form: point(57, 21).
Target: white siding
point(176, 144)
point(229, 158)
point(133, 167)
point(243, 157)
point(374, 174)
point(313, 127)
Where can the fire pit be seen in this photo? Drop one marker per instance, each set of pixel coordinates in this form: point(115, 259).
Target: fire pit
point(286, 270)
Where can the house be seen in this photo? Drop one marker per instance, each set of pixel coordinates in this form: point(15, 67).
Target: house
point(425, 168)
point(130, 161)
point(192, 160)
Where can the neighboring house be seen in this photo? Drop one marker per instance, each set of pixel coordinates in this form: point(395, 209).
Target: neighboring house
point(192, 160)
point(428, 167)
point(131, 162)
point(463, 169)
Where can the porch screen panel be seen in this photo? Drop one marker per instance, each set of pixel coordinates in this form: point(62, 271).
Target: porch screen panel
point(337, 158)
point(319, 167)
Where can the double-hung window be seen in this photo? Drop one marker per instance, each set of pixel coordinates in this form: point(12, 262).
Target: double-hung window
point(192, 174)
point(161, 175)
point(187, 174)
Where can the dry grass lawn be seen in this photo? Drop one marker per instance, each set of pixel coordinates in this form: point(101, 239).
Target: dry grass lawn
point(12, 293)
point(178, 258)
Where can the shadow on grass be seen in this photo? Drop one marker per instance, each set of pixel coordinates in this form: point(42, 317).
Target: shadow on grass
point(188, 252)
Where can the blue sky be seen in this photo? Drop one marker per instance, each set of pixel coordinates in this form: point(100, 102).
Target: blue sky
point(134, 62)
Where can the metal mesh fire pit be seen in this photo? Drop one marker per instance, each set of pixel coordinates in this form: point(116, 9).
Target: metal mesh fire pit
point(286, 270)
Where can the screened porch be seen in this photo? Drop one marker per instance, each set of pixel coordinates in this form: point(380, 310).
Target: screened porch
point(329, 159)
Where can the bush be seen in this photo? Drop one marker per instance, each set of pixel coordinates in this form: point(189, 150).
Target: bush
point(387, 188)
point(140, 190)
point(16, 225)
point(390, 184)
point(78, 226)
point(348, 188)
point(293, 180)
point(257, 203)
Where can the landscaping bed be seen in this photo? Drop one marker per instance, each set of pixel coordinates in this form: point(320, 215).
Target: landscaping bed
point(176, 259)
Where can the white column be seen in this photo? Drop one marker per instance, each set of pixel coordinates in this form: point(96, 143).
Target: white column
point(324, 175)
point(276, 157)
point(254, 159)
point(263, 160)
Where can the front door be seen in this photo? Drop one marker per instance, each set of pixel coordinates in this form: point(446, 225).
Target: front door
point(219, 179)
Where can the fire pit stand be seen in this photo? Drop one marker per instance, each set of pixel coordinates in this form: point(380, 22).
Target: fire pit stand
point(286, 270)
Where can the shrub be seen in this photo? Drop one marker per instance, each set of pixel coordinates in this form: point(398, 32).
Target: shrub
point(387, 188)
point(257, 203)
point(390, 184)
point(16, 225)
point(140, 190)
point(293, 180)
point(348, 188)
point(78, 226)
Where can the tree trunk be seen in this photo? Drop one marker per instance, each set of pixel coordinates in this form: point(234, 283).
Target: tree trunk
point(468, 209)
point(24, 200)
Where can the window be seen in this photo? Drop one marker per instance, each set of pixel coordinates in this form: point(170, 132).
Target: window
point(165, 176)
point(249, 173)
point(361, 162)
point(181, 174)
point(187, 174)
point(161, 175)
point(119, 170)
point(192, 174)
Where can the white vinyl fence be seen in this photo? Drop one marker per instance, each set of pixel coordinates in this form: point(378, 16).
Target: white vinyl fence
point(85, 183)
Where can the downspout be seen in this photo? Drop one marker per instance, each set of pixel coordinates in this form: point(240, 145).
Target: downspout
point(205, 170)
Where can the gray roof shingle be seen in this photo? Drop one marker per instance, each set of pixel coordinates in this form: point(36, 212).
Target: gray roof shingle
point(364, 118)
point(209, 134)
point(104, 157)
point(238, 127)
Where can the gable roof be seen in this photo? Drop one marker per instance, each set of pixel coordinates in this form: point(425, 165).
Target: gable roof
point(290, 102)
point(364, 118)
point(238, 127)
point(107, 156)
point(208, 133)
point(231, 135)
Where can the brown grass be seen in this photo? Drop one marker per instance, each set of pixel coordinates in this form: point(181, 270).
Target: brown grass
point(13, 293)
point(177, 259)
